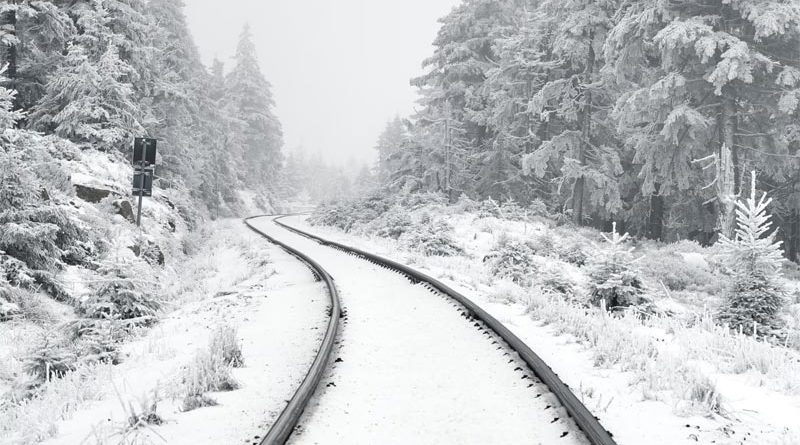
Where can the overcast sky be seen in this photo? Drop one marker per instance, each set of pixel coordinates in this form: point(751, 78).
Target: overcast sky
point(339, 68)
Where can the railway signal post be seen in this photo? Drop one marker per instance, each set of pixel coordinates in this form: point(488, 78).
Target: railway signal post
point(144, 161)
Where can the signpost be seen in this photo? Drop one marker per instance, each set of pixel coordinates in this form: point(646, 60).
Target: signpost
point(144, 160)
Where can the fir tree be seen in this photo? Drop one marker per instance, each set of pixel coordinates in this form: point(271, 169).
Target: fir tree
point(615, 282)
point(259, 131)
point(755, 259)
point(695, 75)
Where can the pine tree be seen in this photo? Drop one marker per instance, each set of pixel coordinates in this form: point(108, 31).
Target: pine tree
point(388, 146)
point(615, 283)
point(695, 75)
point(579, 146)
point(89, 98)
point(90, 101)
point(755, 259)
point(259, 131)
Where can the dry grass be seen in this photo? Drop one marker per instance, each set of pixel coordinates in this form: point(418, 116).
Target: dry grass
point(32, 420)
point(210, 370)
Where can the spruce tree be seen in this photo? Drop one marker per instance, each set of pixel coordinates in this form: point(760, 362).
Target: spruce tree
point(258, 131)
point(695, 76)
point(580, 145)
point(755, 259)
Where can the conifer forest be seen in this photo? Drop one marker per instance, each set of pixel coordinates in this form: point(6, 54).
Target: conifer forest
point(400, 222)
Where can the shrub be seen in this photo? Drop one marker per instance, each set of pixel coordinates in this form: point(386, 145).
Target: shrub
point(432, 238)
point(556, 282)
point(614, 282)
point(207, 372)
point(48, 361)
point(670, 269)
point(572, 253)
point(488, 209)
point(225, 341)
point(392, 224)
point(755, 260)
point(513, 260)
point(123, 295)
point(26, 305)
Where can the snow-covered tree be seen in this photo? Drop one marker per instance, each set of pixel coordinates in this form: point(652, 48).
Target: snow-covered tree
point(90, 101)
point(755, 260)
point(697, 75)
point(389, 144)
point(615, 283)
point(573, 101)
point(259, 132)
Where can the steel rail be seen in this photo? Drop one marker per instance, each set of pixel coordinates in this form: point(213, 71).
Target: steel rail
point(282, 428)
point(584, 419)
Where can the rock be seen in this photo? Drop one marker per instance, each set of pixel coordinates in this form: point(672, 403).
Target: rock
point(151, 253)
point(124, 208)
point(91, 194)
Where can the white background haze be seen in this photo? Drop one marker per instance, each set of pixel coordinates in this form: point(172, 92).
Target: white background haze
point(339, 69)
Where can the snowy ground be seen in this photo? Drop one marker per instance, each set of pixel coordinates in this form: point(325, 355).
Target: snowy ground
point(410, 369)
point(239, 280)
point(754, 412)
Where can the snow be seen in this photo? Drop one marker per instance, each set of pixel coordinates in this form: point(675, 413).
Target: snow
point(410, 369)
point(756, 414)
point(280, 313)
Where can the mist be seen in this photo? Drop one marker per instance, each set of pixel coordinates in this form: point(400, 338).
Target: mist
point(339, 70)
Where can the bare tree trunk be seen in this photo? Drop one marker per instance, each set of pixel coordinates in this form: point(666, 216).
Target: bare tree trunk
point(586, 125)
point(727, 179)
point(9, 21)
point(655, 223)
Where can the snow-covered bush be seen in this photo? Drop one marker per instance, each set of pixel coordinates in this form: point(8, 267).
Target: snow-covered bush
point(513, 260)
point(555, 281)
point(614, 281)
point(488, 208)
point(124, 293)
point(754, 259)
point(671, 270)
point(225, 340)
point(572, 252)
point(432, 238)
point(50, 360)
point(391, 224)
point(208, 371)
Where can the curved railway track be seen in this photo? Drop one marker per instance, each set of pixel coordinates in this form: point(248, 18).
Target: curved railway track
point(284, 425)
point(594, 432)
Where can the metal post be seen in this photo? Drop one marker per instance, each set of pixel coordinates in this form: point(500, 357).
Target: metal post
point(141, 194)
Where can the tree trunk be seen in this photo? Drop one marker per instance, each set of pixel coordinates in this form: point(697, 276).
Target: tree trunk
point(586, 124)
point(655, 223)
point(10, 22)
point(726, 174)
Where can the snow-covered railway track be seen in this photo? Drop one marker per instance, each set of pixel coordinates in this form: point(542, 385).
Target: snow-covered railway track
point(413, 370)
point(283, 426)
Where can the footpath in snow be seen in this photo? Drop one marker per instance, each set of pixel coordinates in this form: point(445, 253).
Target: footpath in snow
point(411, 370)
point(280, 313)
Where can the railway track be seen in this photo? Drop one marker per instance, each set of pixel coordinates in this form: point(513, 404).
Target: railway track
point(591, 428)
point(284, 425)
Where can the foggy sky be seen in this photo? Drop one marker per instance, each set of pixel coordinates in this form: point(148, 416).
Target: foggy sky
point(339, 68)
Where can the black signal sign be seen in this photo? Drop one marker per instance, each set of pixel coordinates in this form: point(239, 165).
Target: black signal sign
point(144, 151)
point(146, 187)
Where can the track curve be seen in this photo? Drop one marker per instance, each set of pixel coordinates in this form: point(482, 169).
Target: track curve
point(583, 418)
point(283, 426)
